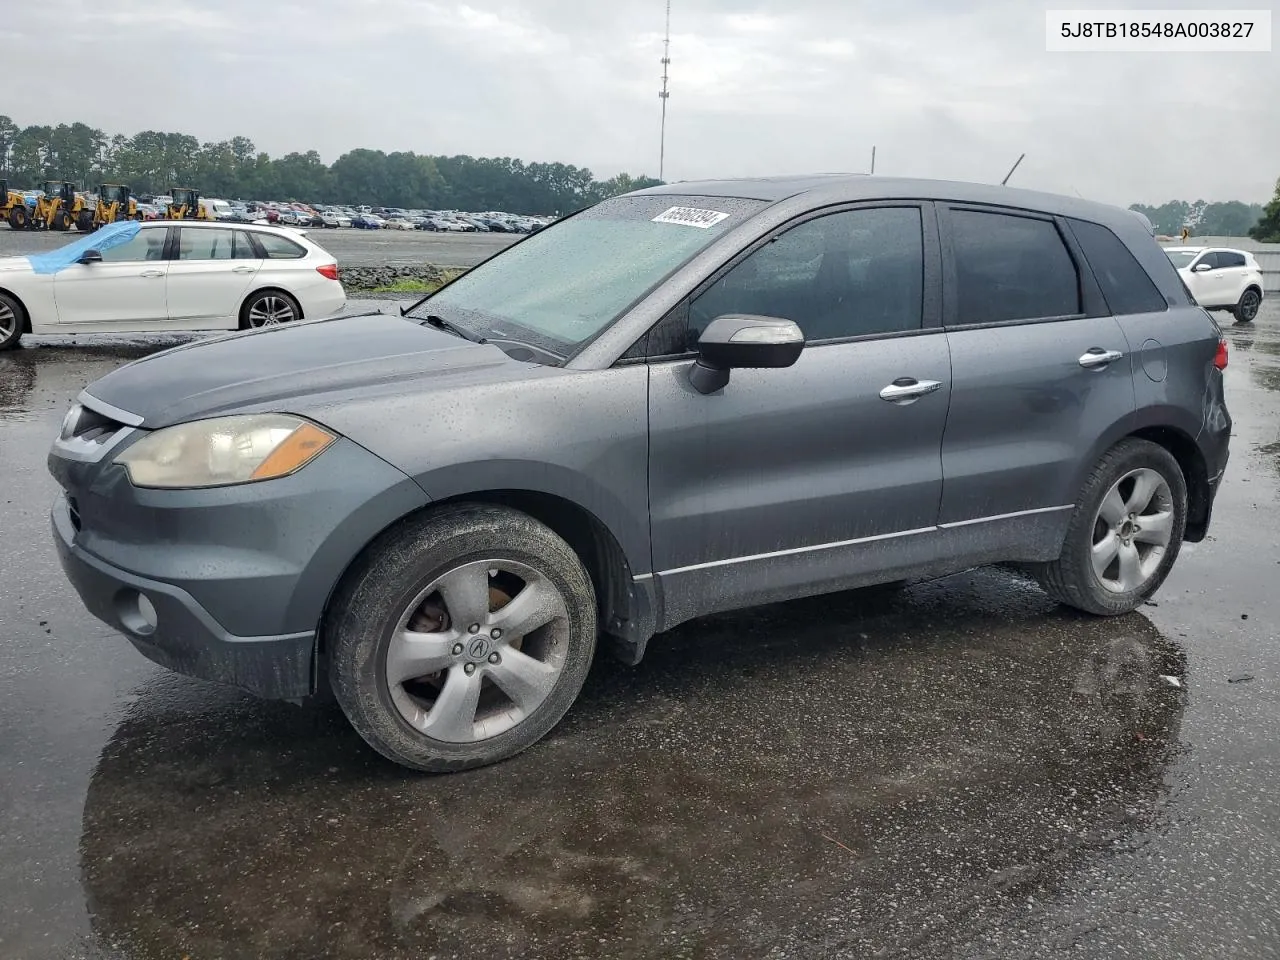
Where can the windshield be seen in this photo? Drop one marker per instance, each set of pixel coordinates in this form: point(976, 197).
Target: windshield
point(565, 284)
point(1182, 258)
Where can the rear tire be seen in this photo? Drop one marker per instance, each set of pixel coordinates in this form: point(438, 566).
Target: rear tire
point(1125, 532)
point(84, 222)
point(18, 218)
point(450, 581)
point(1247, 309)
point(13, 322)
point(269, 308)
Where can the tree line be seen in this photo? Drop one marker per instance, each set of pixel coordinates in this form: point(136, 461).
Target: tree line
point(152, 162)
point(1229, 219)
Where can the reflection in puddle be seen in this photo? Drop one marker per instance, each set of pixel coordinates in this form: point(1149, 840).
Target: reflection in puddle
point(825, 777)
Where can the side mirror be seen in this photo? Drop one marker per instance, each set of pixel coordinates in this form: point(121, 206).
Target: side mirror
point(90, 256)
point(745, 342)
point(1201, 267)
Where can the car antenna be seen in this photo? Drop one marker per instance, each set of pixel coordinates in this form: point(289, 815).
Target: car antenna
point(1011, 169)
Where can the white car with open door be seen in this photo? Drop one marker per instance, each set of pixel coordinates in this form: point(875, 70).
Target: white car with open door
point(1221, 278)
point(164, 276)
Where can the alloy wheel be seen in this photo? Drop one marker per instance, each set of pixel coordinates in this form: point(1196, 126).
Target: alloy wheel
point(8, 322)
point(270, 311)
point(1249, 304)
point(477, 651)
point(1132, 530)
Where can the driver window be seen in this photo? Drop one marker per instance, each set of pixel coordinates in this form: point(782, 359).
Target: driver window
point(847, 274)
point(146, 244)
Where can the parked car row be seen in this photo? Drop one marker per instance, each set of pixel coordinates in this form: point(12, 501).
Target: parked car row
point(363, 217)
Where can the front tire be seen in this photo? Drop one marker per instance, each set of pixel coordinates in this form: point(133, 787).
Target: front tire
point(461, 637)
point(269, 308)
point(19, 218)
point(1247, 309)
point(13, 321)
point(60, 221)
point(1125, 532)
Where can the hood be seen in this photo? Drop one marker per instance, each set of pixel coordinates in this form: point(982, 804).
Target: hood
point(292, 368)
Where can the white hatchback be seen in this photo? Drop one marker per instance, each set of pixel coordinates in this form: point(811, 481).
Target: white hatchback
point(162, 276)
point(1221, 278)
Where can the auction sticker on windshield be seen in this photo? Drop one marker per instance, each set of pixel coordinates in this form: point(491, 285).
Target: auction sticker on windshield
point(691, 217)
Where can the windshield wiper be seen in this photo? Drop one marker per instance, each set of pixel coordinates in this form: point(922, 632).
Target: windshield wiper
point(440, 323)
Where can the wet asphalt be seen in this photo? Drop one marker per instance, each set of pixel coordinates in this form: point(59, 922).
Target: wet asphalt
point(958, 769)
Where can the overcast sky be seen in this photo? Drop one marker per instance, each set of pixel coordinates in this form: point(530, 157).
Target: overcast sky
point(943, 88)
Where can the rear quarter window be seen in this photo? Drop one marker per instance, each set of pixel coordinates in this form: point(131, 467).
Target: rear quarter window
point(280, 248)
point(1124, 282)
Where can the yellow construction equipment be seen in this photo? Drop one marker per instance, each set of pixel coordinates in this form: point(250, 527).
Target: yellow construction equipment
point(115, 203)
point(13, 207)
point(58, 207)
point(184, 204)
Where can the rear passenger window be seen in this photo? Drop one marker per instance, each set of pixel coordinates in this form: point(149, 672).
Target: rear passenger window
point(244, 246)
point(280, 248)
point(1011, 268)
point(1124, 282)
point(1227, 258)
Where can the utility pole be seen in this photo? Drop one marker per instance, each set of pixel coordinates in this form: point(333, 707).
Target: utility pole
point(663, 95)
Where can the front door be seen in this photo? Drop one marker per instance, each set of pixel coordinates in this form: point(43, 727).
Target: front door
point(210, 275)
point(1042, 375)
point(823, 475)
point(125, 291)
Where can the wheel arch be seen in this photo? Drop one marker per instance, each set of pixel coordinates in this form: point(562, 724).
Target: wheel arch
point(625, 609)
point(26, 311)
point(1195, 473)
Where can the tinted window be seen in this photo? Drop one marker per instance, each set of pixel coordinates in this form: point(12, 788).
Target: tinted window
point(280, 248)
point(1209, 259)
point(148, 244)
point(1124, 283)
point(205, 244)
point(845, 275)
point(244, 249)
point(1011, 268)
point(1227, 258)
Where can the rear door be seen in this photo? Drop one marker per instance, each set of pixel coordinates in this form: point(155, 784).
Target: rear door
point(1235, 275)
point(1041, 373)
point(210, 276)
point(824, 474)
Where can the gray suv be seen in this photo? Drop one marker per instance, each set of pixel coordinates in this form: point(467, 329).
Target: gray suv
point(688, 399)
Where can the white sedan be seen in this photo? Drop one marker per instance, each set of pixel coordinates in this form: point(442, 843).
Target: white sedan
point(163, 276)
point(1221, 278)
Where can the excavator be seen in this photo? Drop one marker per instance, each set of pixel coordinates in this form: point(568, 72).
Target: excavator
point(58, 207)
point(115, 203)
point(184, 204)
point(13, 207)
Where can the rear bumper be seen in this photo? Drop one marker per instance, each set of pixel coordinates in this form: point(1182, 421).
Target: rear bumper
point(180, 634)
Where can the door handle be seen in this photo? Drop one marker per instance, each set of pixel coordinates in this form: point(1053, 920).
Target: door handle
point(242, 269)
point(906, 390)
point(151, 273)
point(1097, 357)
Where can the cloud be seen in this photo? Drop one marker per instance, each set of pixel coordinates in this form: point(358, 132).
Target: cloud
point(941, 88)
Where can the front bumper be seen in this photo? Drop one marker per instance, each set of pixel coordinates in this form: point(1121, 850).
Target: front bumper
point(178, 632)
point(235, 579)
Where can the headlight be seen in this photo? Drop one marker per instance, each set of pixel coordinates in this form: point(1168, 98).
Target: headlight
point(226, 450)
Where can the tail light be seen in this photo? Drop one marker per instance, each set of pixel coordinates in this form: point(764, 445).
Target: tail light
point(329, 270)
point(1220, 358)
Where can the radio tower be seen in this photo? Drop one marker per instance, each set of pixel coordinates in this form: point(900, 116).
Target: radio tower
point(663, 95)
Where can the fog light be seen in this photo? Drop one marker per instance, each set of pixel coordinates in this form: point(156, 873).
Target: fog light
point(137, 613)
